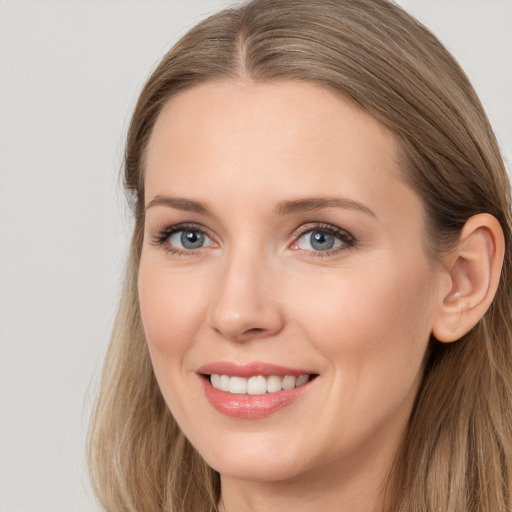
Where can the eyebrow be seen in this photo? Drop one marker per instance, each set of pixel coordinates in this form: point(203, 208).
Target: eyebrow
point(179, 203)
point(283, 208)
point(317, 203)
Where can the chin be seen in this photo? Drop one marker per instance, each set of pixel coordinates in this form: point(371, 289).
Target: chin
point(263, 470)
point(262, 461)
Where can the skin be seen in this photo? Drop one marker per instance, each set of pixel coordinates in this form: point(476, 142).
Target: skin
point(359, 316)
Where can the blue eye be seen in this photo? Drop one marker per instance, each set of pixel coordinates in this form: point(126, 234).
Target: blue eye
point(322, 239)
point(181, 238)
point(189, 239)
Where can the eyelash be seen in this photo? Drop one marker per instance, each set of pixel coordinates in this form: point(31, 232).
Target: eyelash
point(347, 239)
point(161, 238)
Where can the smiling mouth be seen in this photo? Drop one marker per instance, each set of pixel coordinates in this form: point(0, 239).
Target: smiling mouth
point(254, 390)
point(257, 385)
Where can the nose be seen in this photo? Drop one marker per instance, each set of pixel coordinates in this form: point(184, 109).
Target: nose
point(245, 305)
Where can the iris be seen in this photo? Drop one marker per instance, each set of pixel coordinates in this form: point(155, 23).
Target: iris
point(321, 241)
point(192, 239)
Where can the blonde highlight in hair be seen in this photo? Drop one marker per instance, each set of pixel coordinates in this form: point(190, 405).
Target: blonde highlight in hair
point(456, 454)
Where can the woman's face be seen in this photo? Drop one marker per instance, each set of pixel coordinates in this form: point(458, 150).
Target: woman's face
point(282, 246)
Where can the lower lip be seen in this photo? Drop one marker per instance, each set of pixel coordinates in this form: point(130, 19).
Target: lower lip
point(251, 406)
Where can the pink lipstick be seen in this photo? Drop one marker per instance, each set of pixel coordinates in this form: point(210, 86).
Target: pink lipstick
point(253, 390)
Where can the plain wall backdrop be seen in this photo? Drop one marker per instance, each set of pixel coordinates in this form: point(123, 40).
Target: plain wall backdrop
point(70, 72)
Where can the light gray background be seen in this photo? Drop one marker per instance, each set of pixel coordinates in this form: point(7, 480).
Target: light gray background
point(70, 71)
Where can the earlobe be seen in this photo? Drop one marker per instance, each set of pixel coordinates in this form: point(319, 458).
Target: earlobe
point(474, 269)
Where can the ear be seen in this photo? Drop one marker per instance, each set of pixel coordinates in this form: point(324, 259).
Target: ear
point(473, 269)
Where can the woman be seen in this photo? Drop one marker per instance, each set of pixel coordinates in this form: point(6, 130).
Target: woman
point(316, 309)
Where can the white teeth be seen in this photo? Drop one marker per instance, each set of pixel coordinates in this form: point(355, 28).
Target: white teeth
point(238, 385)
point(257, 385)
point(289, 382)
point(274, 383)
point(224, 383)
point(215, 380)
point(303, 379)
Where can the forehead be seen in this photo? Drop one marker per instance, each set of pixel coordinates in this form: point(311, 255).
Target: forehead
point(271, 114)
point(236, 141)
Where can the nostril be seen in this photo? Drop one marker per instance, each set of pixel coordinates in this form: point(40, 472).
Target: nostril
point(254, 330)
point(244, 334)
point(255, 333)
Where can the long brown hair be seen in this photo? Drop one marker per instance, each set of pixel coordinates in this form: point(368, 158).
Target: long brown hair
point(456, 454)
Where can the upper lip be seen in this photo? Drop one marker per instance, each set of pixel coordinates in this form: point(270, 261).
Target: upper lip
point(249, 369)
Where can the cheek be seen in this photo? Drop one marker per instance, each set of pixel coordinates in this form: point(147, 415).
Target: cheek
point(171, 309)
point(373, 321)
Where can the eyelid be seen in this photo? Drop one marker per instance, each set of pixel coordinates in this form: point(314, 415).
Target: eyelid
point(160, 237)
point(348, 240)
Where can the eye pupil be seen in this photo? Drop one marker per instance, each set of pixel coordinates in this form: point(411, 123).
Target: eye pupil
point(321, 241)
point(192, 239)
